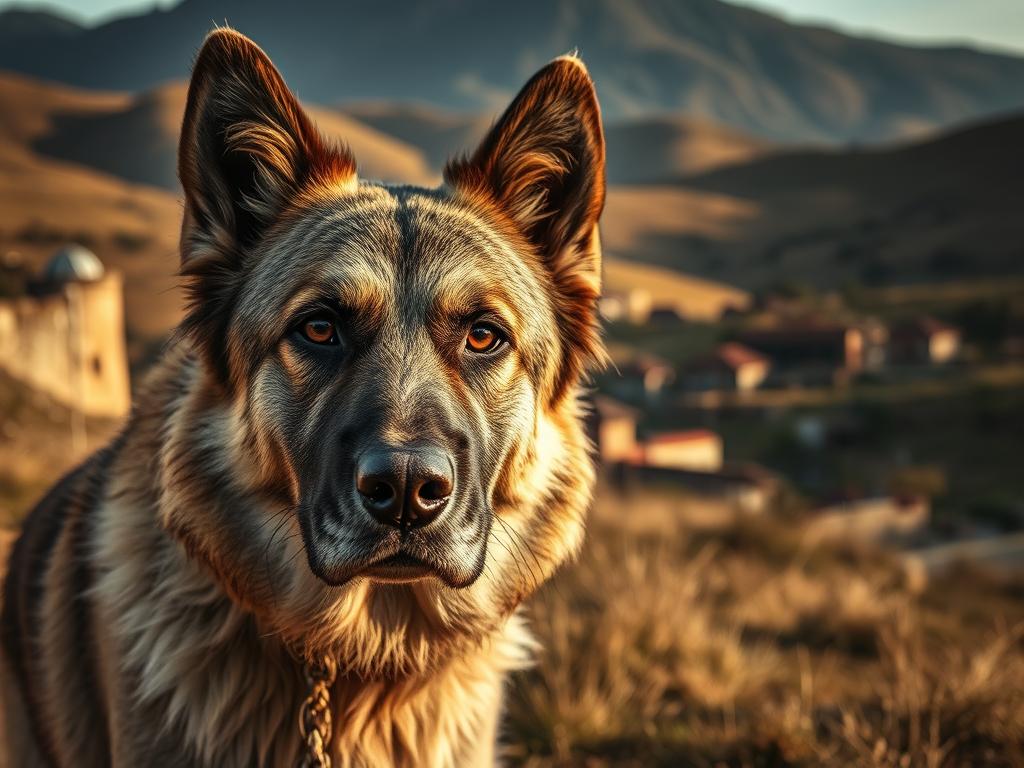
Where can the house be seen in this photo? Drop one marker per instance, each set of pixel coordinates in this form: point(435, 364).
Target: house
point(690, 461)
point(64, 335)
point(924, 340)
point(612, 427)
point(644, 375)
point(698, 450)
point(809, 352)
point(730, 367)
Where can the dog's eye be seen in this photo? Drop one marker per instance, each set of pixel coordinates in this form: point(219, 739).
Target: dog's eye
point(483, 338)
point(319, 330)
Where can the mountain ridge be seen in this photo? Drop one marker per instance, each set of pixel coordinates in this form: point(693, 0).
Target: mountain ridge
point(708, 59)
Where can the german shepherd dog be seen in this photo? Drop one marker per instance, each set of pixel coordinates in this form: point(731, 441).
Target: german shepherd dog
point(362, 446)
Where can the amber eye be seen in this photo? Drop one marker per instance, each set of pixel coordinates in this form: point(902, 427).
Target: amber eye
point(483, 338)
point(319, 330)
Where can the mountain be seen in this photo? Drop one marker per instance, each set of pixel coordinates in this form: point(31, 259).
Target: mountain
point(946, 208)
point(704, 58)
point(135, 137)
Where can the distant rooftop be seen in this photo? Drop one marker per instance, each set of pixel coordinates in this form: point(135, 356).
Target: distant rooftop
point(925, 325)
point(735, 355)
point(74, 263)
point(682, 436)
point(730, 355)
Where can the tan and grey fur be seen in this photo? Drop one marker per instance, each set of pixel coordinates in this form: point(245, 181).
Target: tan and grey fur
point(161, 596)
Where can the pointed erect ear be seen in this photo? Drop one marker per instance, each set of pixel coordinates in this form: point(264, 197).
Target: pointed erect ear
point(542, 164)
point(246, 149)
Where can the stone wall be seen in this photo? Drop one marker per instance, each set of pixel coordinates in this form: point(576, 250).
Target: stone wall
point(70, 344)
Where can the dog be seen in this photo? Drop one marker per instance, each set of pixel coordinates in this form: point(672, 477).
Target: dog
point(361, 450)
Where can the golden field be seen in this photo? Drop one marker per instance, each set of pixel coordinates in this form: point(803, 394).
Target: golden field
point(677, 640)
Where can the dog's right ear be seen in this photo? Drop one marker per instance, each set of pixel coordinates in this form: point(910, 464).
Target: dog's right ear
point(247, 148)
point(247, 151)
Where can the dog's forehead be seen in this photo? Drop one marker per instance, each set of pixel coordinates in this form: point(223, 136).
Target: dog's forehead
point(377, 241)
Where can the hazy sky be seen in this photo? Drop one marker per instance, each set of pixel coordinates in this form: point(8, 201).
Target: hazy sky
point(996, 23)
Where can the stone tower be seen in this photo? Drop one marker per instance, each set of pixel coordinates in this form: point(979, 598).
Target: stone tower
point(67, 337)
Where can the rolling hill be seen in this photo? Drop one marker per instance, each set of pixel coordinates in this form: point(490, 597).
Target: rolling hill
point(659, 148)
point(640, 150)
point(98, 168)
point(946, 208)
point(691, 297)
point(137, 140)
point(705, 58)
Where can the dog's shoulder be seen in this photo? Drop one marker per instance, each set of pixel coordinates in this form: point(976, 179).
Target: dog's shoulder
point(63, 512)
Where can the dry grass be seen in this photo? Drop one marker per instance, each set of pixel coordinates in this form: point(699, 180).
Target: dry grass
point(686, 635)
point(745, 646)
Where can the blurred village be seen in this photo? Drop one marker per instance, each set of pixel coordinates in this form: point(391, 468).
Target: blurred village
point(851, 405)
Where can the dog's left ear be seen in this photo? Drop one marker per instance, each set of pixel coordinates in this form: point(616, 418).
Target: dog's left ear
point(542, 164)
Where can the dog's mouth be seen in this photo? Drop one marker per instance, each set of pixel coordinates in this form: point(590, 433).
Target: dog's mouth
point(338, 553)
point(399, 568)
point(396, 560)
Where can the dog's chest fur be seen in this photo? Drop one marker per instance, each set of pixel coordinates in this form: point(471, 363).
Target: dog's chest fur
point(190, 657)
point(149, 662)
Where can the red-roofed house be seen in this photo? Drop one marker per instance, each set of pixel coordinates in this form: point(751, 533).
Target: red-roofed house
point(731, 366)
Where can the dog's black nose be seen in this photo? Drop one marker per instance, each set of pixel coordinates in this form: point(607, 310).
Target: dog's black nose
point(405, 488)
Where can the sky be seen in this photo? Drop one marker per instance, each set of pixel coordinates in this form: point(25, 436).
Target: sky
point(987, 23)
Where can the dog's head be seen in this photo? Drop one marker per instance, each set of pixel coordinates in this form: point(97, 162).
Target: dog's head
point(387, 374)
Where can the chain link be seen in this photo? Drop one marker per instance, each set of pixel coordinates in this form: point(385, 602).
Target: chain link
point(315, 713)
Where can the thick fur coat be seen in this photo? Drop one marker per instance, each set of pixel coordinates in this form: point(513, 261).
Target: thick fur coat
point(162, 596)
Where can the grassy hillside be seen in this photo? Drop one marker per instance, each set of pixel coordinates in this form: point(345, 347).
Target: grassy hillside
point(36, 447)
point(943, 209)
point(136, 139)
point(46, 202)
point(674, 644)
point(692, 298)
point(657, 149)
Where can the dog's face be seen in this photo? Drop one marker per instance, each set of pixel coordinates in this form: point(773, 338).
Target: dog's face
point(395, 369)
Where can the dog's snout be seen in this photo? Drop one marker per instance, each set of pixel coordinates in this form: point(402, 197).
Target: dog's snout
point(405, 488)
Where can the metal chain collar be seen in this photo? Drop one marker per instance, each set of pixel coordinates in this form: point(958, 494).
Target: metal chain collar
point(315, 713)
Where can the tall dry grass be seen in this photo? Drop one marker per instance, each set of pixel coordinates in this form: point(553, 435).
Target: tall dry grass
point(683, 638)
